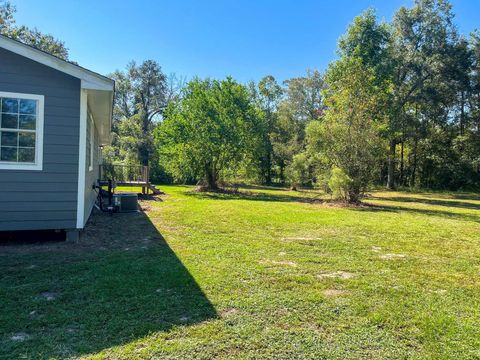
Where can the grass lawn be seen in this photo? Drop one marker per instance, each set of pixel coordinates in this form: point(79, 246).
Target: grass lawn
point(267, 273)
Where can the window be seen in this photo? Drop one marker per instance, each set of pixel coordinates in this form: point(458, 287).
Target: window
point(21, 131)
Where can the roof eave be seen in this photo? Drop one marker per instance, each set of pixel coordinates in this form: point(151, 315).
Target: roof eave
point(90, 80)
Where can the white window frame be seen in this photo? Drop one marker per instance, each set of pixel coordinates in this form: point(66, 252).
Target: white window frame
point(92, 138)
point(38, 164)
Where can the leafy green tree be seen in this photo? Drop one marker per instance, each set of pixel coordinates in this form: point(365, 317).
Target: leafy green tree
point(349, 136)
point(302, 103)
point(140, 99)
point(268, 95)
point(368, 40)
point(287, 138)
point(32, 37)
point(299, 171)
point(474, 95)
point(422, 37)
point(304, 96)
point(208, 132)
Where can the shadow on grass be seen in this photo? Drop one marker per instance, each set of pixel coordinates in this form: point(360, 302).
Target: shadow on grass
point(122, 282)
point(252, 196)
point(435, 202)
point(429, 212)
point(273, 187)
point(366, 206)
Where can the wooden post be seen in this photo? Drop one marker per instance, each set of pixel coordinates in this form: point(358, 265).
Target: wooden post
point(72, 235)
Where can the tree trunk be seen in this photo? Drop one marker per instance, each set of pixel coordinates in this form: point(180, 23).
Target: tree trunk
point(282, 171)
point(414, 170)
point(391, 166)
point(144, 155)
point(354, 194)
point(268, 174)
point(211, 177)
point(401, 164)
point(462, 114)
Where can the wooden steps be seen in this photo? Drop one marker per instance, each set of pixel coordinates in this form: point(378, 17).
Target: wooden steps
point(155, 190)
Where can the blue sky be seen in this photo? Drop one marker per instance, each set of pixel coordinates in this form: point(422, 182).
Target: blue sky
point(246, 39)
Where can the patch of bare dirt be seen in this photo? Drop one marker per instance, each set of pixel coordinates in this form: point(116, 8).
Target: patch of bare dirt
point(335, 292)
point(184, 319)
point(49, 295)
point(332, 203)
point(392, 256)
point(229, 312)
point(20, 337)
point(440, 291)
point(145, 202)
point(104, 231)
point(336, 275)
point(222, 189)
point(120, 230)
point(279, 262)
point(306, 238)
point(73, 329)
point(316, 328)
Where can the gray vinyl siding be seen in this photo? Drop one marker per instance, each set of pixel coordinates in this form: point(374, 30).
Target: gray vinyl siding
point(45, 199)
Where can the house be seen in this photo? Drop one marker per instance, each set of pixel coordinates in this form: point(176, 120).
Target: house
point(54, 118)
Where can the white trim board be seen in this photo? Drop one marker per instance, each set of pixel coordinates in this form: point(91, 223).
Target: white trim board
point(82, 159)
point(89, 79)
point(92, 132)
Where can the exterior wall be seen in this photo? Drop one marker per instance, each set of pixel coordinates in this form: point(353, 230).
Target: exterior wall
point(91, 176)
point(45, 199)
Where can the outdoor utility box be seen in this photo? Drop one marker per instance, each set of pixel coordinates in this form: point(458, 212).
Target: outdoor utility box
point(126, 202)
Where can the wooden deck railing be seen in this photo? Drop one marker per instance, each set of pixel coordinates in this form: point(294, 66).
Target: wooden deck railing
point(124, 173)
point(127, 175)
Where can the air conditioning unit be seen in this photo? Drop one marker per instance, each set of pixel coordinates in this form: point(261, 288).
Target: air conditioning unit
point(126, 202)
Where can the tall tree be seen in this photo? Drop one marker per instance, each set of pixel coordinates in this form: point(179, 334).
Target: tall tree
point(421, 39)
point(141, 96)
point(208, 132)
point(269, 95)
point(32, 37)
point(304, 95)
point(287, 138)
point(349, 137)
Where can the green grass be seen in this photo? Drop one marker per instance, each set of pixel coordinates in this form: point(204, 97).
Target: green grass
point(266, 273)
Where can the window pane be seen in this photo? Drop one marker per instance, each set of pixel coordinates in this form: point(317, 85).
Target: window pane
point(26, 155)
point(9, 121)
point(9, 105)
point(28, 107)
point(8, 153)
point(26, 139)
point(9, 138)
point(27, 122)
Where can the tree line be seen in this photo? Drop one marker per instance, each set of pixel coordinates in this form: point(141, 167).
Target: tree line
point(399, 107)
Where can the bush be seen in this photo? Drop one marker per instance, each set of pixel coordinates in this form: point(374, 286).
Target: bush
point(298, 172)
point(340, 184)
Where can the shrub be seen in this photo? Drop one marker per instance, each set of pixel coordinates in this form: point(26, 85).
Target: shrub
point(298, 172)
point(340, 184)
